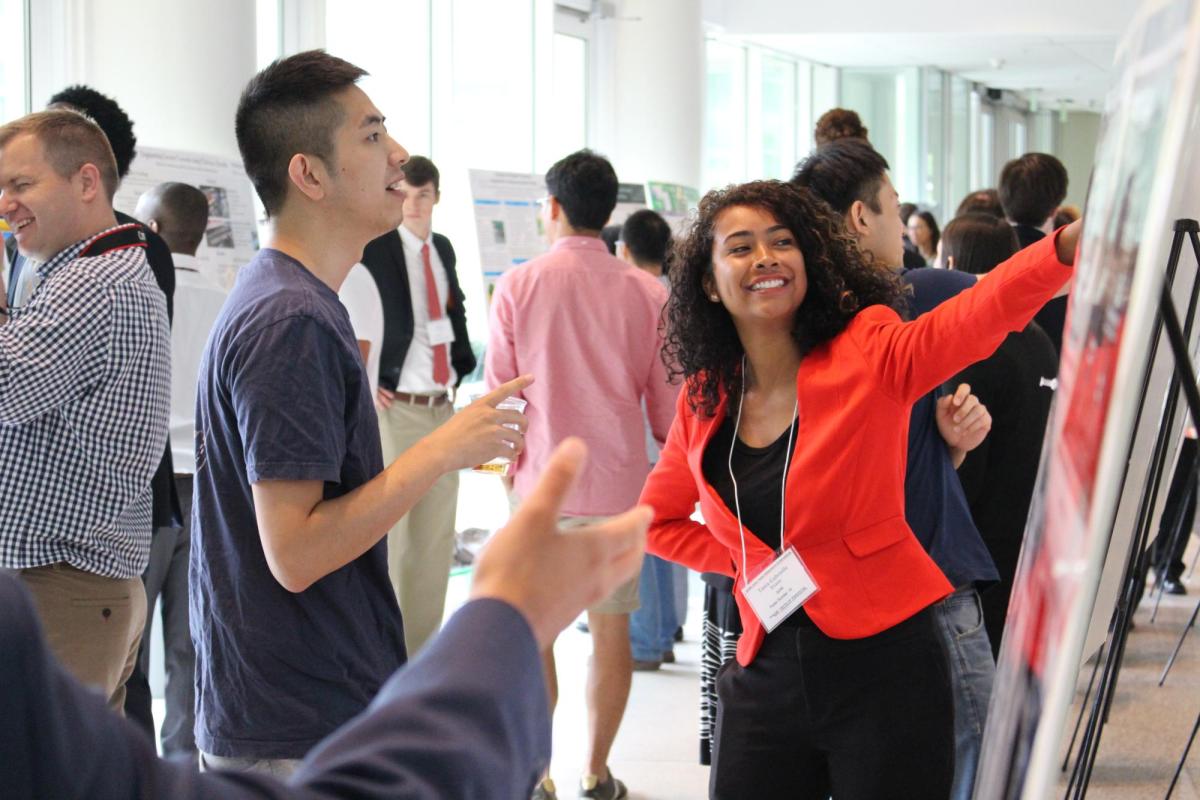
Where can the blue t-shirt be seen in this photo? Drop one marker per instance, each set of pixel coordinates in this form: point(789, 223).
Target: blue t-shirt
point(283, 395)
point(934, 503)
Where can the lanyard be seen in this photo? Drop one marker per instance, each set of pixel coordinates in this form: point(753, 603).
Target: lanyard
point(787, 460)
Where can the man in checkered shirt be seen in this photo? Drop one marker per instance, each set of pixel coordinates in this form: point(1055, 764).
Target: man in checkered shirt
point(84, 397)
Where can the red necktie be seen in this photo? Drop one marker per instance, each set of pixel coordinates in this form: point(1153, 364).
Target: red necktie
point(441, 361)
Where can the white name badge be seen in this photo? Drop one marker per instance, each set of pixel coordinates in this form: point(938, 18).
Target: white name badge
point(780, 589)
point(440, 331)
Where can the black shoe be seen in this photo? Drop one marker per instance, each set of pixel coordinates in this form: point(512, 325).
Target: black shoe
point(679, 634)
point(1173, 586)
point(608, 789)
point(668, 657)
point(645, 666)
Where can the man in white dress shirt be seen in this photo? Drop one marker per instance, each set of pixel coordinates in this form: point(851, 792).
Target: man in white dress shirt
point(424, 356)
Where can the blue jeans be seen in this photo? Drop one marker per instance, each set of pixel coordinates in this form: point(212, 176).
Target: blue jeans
point(652, 627)
point(972, 670)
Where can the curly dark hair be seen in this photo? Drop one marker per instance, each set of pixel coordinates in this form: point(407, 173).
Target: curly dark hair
point(702, 344)
point(106, 113)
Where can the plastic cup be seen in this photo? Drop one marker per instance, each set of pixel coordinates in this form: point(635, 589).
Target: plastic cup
point(502, 465)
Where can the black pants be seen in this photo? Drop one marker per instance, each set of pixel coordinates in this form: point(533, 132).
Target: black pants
point(814, 716)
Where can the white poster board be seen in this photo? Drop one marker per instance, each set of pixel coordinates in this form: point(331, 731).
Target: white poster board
point(674, 201)
point(508, 222)
point(232, 236)
point(1114, 302)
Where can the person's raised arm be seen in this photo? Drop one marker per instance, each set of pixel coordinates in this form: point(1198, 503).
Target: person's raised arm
point(305, 537)
point(912, 358)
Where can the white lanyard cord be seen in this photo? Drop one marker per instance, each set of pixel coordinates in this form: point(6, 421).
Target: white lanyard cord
point(787, 460)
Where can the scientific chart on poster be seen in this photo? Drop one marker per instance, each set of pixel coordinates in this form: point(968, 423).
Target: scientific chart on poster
point(674, 201)
point(232, 236)
point(508, 220)
point(1110, 320)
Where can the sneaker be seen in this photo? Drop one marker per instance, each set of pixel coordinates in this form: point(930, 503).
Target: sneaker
point(648, 665)
point(668, 657)
point(546, 790)
point(608, 789)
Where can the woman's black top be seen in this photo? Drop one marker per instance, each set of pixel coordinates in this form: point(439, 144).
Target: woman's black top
point(759, 472)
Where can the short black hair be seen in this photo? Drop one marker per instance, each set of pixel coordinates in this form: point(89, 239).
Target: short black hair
point(182, 214)
point(648, 237)
point(111, 118)
point(982, 201)
point(907, 210)
point(839, 123)
point(585, 185)
point(290, 108)
point(978, 242)
point(419, 170)
point(843, 171)
point(1031, 187)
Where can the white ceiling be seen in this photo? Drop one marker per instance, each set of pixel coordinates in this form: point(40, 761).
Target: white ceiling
point(1057, 52)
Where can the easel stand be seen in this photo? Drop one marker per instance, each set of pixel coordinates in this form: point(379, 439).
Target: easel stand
point(1136, 562)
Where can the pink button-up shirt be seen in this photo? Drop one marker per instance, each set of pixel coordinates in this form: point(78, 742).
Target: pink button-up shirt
point(585, 325)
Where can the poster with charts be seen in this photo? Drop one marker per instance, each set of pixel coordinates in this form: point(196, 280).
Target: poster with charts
point(674, 201)
point(1113, 305)
point(508, 221)
point(231, 239)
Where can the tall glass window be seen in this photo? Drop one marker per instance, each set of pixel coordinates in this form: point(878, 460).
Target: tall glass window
point(958, 151)
point(778, 131)
point(13, 94)
point(566, 129)
point(725, 114)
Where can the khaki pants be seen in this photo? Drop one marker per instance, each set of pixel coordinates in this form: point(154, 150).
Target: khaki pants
point(421, 544)
point(93, 624)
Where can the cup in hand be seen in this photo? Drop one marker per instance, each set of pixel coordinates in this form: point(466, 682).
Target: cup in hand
point(502, 465)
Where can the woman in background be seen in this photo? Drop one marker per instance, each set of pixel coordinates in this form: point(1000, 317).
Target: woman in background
point(923, 232)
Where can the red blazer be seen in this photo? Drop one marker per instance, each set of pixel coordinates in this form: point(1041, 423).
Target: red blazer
point(845, 486)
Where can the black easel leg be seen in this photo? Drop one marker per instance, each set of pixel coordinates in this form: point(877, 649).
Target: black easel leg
point(1179, 645)
point(1183, 759)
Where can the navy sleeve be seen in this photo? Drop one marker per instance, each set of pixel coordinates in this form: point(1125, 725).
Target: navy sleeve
point(932, 287)
point(58, 740)
point(290, 411)
point(468, 717)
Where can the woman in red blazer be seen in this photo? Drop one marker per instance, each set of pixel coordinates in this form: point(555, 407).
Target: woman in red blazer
point(799, 380)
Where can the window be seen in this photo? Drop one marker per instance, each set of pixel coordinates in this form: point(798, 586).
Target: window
point(13, 88)
point(778, 119)
point(566, 126)
point(725, 114)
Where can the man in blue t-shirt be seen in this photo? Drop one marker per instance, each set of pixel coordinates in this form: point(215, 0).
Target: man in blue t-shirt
point(850, 176)
point(294, 620)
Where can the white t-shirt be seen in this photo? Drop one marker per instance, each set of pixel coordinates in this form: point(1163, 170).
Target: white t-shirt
point(198, 301)
point(360, 296)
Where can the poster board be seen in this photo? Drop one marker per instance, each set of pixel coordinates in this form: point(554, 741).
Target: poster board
point(1112, 310)
point(232, 236)
point(508, 222)
point(631, 197)
point(674, 201)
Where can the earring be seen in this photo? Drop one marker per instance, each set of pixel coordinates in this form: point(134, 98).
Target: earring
point(714, 298)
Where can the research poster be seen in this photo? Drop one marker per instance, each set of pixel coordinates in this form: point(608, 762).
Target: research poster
point(631, 197)
point(674, 201)
point(1113, 305)
point(231, 239)
point(508, 221)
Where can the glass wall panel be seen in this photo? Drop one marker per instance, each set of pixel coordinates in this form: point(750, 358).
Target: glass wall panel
point(958, 150)
point(778, 118)
point(934, 140)
point(725, 114)
point(889, 103)
point(13, 101)
point(805, 118)
point(826, 84)
point(566, 129)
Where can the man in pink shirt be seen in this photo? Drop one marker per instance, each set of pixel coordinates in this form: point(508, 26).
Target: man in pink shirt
point(586, 324)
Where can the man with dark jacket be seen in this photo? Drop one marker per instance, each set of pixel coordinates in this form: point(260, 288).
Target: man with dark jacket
point(1031, 188)
point(425, 355)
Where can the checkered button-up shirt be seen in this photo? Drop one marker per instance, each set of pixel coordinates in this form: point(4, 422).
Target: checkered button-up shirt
point(84, 402)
